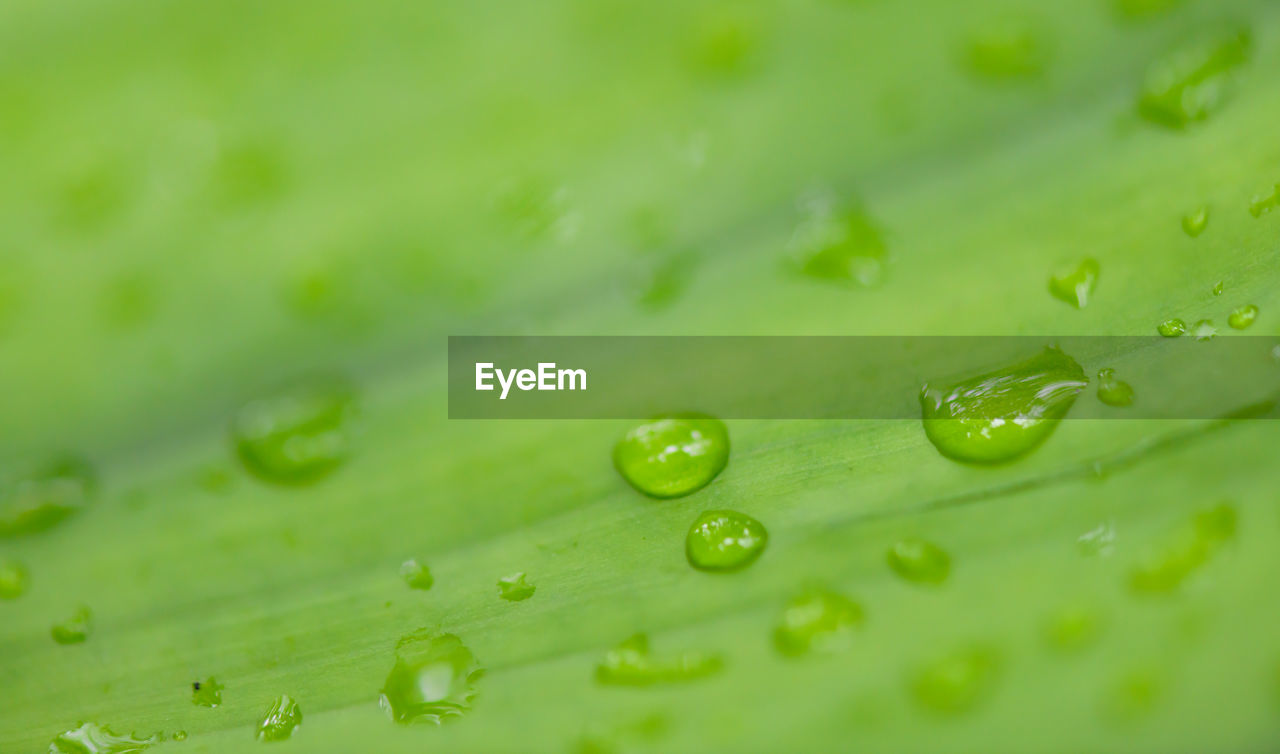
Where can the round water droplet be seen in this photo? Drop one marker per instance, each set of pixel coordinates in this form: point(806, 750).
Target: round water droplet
point(91, 738)
point(416, 575)
point(1003, 415)
point(817, 620)
point(632, 664)
point(724, 541)
point(297, 436)
point(919, 561)
point(74, 630)
point(432, 680)
point(1204, 330)
point(1242, 317)
point(1195, 221)
point(281, 720)
point(1112, 391)
point(1172, 328)
point(1075, 284)
point(673, 456)
point(206, 693)
point(36, 498)
point(955, 683)
point(179, 735)
point(13, 579)
point(515, 588)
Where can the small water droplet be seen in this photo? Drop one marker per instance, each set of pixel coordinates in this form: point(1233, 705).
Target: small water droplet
point(1204, 330)
point(214, 479)
point(1195, 221)
point(1072, 628)
point(296, 436)
point(956, 682)
point(724, 540)
point(281, 720)
point(1007, 49)
point(839, 242)
point(1005, 414)
point(91, 738)
point(1243, 316)
point(1193, 82)
point(13, 579)
point(1132, 695)
point(1261, 204)
point(632, 664)
point(1172, 328)
point(673, 456)
point(432, 681)
point(1075, 284)
point(919, 561)
point(38, 497)
point(1112, 391)
point(179, 735)
point(817, 620)
point(416, 574)
point(74, 630)
point(1218, 288)
point(1099, 541)
point(515, 588)
point(207, 693)
point(1166, 567)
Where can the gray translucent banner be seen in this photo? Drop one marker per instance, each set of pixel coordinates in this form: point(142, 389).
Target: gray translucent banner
point(854, 377)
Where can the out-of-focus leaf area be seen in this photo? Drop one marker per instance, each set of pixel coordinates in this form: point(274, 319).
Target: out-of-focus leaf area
point(235, 235)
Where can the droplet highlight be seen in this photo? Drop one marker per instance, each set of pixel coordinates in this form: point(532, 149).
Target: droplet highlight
point(297, 436)
point(91, 738)
point(1075, 284)
point(416, 575)
point(818, 620)
point(631, 663)
point(673, 456)
point(1172, 328)
point(1243, 317)
point(281, 719)
point(724, 540)
point(1204, 330)
point(432, 681)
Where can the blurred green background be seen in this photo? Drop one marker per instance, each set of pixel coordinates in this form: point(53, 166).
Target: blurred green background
point(202, 201)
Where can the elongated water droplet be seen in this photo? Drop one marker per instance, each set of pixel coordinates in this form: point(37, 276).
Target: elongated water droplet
point(1172, 328)
point(1075, 284)
point(1072, 628)
point(1242, 317)
point(91, 738)
point(1263, 203)
point(673, 456)
point(839, 242)
point(724, 540)
point(1113, 391)
point(13, 579)
point(1166, 567)
point(74, 630)
point(38, 497)
point(206, 693)
point(1193, 82)
point(1195, 221)
point(297, 436)
point(432, 681)
point(1007, 49)
point(632, 664)
point(955, 683)
point(817, 620)
point(1204, 330)
point(1005, 414)
point(281, 719)
point(919, 561)
point(416, 574)
point(515, 588)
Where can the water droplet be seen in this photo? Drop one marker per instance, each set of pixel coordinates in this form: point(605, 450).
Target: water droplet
point(1243, 316)
point(661, 282)
point(536, 208)
point(817, 620)
point(1261, 204)
point(1140, 9)
point(179, 735)
point(215, 479)
point(919, 561)
point(1166, 567)
point(297, 436)
point(1194, 82)
point(1218, 288)
point(1112, 391)
point(673, 456)
point(432, 681)
point(207, 693)
point(1005, 414)
point(1195, 221)
point(416, 575)
point(1072, 628)
point(1204, 330)
point(74, 630)
point(1098, 541)
point(1075, 285)
point(839, 242)
point(632, 664)
point(1132, 695)
point(38, 497)
point(724, 44)
point(515, 588)
point(956, 682)
point(1172, 328)
point(724, 540)
point(1007, 49)
point(281, 720)
point(13, 579)
point(248, 174)
point(90, 738)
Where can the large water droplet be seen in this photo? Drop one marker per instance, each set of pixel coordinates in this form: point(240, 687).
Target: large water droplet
point(38, 497)
point(956, 682)
point(1005, 414)
point(673, 456)
point(1075, 284)
point(515, 588)
point(1113, 391)
point(1243, 317)
point(432, 681)
point(207, 693)
point(75, 629)
point(416, 574)
point(817, 620)
point(1166, 567)
point(13, 579)
point(632, 664)
point(1194, 82)
point(91, 738)
point(1195, 221)
point(919, 561)
point(1263, 203)
point(724, 540)
point(839, 242)
point(296, 436)
point(281, 720)
point(1172, 328)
